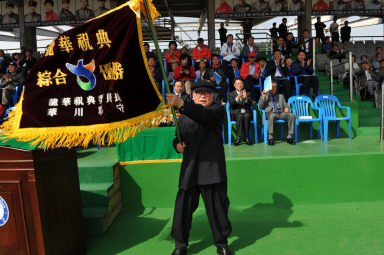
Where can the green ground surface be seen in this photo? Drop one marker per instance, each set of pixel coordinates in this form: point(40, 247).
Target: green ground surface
point(337, 209)
point(268, 229)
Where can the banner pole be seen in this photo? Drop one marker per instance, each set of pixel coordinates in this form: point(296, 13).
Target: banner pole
point(166, 85)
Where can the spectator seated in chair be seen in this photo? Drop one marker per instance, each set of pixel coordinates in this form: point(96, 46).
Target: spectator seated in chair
point(201, 53)
point(229, 50)
point(186, 73)
point(263, 63)
point(327, 45)
point(155, 72)
point(250, 47)
point(179, 90)
point(240, 108)
point(276, 108)
point(9, 82)
point(216, 71)
point(303, 69)
point(233, 72)
point(367, 80)
point(250, 72)
point(171, 75)
point(380, 71)
point(172, 55)
point(202, 70)
point(278, 71)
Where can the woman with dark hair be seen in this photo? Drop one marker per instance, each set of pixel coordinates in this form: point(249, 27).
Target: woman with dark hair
point(50, 14)
point(172, 55)
point(184, 50)
point(185, 72)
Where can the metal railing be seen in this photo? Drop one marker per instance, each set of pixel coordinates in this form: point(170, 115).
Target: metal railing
point(367, 38)
point(262, 40)
point(349, 71)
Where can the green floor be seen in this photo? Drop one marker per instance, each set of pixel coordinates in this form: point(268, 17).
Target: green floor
point(273, 223)
point(335, 207)
point(268, 229)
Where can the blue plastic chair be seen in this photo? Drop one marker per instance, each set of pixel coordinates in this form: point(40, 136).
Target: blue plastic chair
point(259, 86)
point(163, 88)
point(300, 84)
point(231, 123)
point(299, 106)
point(328, 103)
point(264, 127)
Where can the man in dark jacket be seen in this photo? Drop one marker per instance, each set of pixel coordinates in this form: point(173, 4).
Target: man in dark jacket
point(218, 76)
point(277, 69)
point(345, 32)
point(304, 72)
point(240, 102)
point(283, 30)
point(203, 170)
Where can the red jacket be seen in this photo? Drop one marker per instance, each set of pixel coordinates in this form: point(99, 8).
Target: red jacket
point(168, 57)
point(177, 76)
point(204, 53)
point(244, 72)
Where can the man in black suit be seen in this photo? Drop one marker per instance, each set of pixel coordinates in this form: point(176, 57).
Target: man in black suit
point(306, 44)
point(277, 69)
point(345, 32)
point(283, 30)
point(203, 170)
point(240, 103)
point(179, 90)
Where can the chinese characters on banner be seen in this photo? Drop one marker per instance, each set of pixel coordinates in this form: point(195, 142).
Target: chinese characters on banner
point(92, 85)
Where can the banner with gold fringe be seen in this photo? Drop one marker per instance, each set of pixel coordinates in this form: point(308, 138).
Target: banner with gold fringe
point(92, 85)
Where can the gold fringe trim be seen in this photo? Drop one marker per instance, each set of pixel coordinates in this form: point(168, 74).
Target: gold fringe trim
point(73, 136)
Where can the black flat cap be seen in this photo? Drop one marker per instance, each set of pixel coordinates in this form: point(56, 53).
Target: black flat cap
point(203, 86)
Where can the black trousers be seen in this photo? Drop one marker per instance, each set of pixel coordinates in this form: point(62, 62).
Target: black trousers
point(216, 206)
point(306, 80)
point(286, 85)
point(249, 87)
point(335, 36)
point(243, 122)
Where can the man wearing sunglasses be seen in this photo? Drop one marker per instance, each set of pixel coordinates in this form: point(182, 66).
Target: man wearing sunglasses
point(203, 170)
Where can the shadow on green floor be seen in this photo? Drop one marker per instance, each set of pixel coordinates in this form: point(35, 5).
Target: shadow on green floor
point(249, 225)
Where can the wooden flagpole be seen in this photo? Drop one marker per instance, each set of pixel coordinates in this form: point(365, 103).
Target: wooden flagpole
point(149, 19)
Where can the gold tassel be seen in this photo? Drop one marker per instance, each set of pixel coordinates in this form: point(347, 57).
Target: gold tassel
point(73, 136)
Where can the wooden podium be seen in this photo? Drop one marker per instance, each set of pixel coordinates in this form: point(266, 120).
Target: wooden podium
point(42, 192)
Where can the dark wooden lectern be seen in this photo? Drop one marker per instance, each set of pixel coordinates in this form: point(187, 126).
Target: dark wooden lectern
point(41, 189)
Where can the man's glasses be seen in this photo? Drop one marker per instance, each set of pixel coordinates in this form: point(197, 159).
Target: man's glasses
point(203, 93)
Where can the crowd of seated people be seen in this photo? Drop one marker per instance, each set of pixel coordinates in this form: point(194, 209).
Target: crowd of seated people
point(238, 75)
point(13, 73)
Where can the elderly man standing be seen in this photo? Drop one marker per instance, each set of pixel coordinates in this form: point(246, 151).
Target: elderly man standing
point(203, 170)
point(276, 108)
point(9, 82)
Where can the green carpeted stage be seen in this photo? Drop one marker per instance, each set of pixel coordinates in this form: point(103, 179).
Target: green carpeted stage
point(312, 198)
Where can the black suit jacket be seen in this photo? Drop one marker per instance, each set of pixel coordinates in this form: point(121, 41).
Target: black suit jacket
point(271, 68)
point(242, 104)
point(204, 159)
point(345, 32)
point(302, 41)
